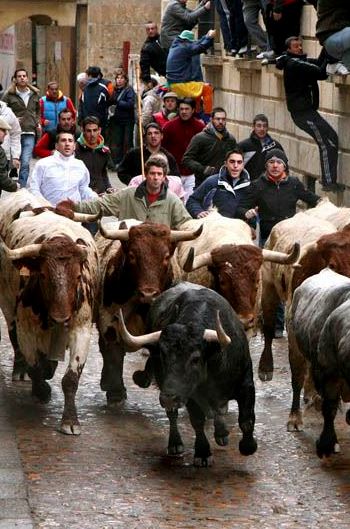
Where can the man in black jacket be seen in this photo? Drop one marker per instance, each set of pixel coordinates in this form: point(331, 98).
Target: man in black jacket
point(300, 82)
point(152, 54)
point(130, 165)
point(256, 146)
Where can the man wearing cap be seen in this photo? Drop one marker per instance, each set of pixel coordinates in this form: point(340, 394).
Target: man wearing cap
point(207, 150)
point(130, 165)
point(5, 182)
point(177, 17)
point(169, 110)
point(273, 196)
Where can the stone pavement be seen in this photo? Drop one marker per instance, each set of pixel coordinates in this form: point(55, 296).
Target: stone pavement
point(14, 506)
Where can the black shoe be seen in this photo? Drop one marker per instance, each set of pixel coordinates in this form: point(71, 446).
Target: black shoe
point(333, 187)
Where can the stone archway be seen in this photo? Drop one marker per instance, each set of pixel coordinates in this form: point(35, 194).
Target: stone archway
point(61, 12)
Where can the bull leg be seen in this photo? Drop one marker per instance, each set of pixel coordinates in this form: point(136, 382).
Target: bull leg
point(175, 444)
point(112, 372)
point(144, 378)
point(327, 443)
point(221, 431)
point(298, 366)
point(246, 418)
point(78, 347)
point(269, 304)
point(40, 388)
point(202, 452)
point(20, 366)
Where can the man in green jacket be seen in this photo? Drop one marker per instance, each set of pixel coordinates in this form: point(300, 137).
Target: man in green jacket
point(150, 201)
point(5, 182)
point(207, 150)
point(23, 99)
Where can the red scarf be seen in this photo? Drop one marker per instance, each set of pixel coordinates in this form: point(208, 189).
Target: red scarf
point(277, 179)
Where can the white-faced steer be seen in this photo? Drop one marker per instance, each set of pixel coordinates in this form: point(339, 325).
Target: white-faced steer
point(200, 357)
point(320, 322)
point(135, 268)
point(48, 287)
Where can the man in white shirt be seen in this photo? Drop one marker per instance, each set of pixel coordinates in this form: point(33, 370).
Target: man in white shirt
point(61, 175)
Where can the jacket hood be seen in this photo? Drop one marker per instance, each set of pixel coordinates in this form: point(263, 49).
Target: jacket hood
point(59, 97)
point(12, 88)
point(282, 60)
point(223, 180)
point(99, 147)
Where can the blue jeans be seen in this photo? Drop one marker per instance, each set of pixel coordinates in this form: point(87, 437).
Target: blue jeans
point(338, 46)
point(27, 146)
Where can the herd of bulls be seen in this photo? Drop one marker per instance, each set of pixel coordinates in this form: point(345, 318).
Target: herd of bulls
point(192, 297)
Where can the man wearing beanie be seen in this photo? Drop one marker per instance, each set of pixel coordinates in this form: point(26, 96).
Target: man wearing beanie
point(272, 198)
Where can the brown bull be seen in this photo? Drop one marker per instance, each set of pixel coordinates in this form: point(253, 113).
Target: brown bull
point(135, 268)
point(227, 260)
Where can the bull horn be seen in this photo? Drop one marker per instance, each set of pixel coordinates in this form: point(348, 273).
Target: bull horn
point(185, 235)
point(136, 342)
point(193, 263)
point(86, 217)
point(30, 250)
point(305, 249)
point(280, 257)
point(219, 335)
point(116, 235)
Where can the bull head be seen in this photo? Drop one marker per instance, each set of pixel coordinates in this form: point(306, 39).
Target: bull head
point(175, 236)
point(137, 342)
point(194, 263)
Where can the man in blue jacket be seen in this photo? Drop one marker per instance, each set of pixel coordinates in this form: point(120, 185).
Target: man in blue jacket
point(223, 190)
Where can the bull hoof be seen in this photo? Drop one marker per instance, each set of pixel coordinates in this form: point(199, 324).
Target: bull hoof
point(265, 376)
point(247, 447)
point(326, 447)
point(221, 441)
point(175, 450)
point(203, 461)
point(18, 376)
point(70, 429)
point(295, 424)
point(42, 392)
point(141, 379)
point(116, 400)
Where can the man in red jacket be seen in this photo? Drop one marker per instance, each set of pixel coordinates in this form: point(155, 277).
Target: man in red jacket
point(169, 110)
point(46, 145)
point(177, 135)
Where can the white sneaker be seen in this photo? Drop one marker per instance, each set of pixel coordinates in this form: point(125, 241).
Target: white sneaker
point(337, 68)
point(266, 55)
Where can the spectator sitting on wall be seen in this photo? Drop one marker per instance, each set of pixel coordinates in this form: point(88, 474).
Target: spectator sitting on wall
point(51, 104)
point(177, 18)
point(169, 110)
point(131, 166)
point(256, 146)
point(282, 21)
point(46, 145)
point(333, 32)
point(207, 150)
point(152, 54)
point(300, 76)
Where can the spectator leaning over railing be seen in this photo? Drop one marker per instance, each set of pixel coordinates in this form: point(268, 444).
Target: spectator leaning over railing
point(333, 32)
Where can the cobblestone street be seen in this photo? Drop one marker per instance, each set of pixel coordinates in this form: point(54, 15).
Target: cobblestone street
point(116, 474)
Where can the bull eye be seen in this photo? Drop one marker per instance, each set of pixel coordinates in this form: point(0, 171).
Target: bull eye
point(331, 266)
point(132, 258)
point(195, 360)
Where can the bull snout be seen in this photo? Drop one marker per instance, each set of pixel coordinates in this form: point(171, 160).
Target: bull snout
point(148, 295)
point(60, 319)
point(170, 402)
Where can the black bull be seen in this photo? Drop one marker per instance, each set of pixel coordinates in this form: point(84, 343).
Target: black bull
point(198, 366)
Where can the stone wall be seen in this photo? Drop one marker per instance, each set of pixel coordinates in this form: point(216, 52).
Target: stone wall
point(245, 88)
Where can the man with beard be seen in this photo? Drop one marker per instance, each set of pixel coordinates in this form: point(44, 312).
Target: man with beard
point(207, 150)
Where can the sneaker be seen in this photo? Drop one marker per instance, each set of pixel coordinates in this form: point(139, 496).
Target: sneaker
point(337, 68)
point(245, 49)
point(233, 53)
point(266, 55)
